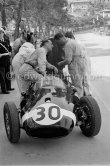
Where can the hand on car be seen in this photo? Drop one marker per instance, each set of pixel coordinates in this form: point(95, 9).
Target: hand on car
point(59, 64)
point(55, 70)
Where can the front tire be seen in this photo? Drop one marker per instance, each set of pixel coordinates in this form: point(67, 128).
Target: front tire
point(91, 123)
point(11, 120)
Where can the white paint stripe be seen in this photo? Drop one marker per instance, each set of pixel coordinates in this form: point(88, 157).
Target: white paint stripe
point(64, 113)
point(69, 114)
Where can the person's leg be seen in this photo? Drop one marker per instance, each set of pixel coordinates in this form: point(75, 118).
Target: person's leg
point(8, 77)
point(2, 80)
point(77, 81)
point(27, 75)
point(86, 86)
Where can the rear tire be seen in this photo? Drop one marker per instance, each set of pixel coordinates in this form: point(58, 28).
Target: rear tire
point(92, 123)
point(11, 120)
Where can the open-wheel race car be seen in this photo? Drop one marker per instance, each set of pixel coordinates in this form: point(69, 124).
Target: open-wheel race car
point(52, 110)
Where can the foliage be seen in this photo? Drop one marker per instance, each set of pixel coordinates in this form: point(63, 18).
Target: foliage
point(46, 13)
point(43, 14)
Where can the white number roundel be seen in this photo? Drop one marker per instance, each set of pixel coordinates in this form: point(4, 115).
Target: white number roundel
point(47, 114)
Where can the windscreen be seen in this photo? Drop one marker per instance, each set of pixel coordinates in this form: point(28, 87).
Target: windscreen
point(52, 81)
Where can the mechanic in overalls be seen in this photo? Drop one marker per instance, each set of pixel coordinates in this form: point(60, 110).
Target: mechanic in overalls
point(34, 69)
point(75, 60)
point(86, 86)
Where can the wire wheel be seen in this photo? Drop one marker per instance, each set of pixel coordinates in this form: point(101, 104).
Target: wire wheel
point(11, 120)
point(91, 116)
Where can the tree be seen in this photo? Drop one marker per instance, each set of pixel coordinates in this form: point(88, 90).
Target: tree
point(18, 20)
point(3, 14)
point(6, 5)
point(43, 14)
point(46, 13)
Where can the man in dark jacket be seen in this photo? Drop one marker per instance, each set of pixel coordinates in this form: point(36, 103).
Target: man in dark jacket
point(55, 56)
point(3, 53)
point(4, 63)
point(7, 40)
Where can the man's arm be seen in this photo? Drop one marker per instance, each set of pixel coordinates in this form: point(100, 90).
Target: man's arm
point(3, 54)
point(43, 63)
point(49, 66)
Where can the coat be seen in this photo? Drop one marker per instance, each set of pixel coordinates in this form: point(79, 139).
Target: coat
point(4, 60)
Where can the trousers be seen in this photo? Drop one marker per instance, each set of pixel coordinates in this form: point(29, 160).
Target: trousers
point(27, 75)
point(2, 79)
point(79, 76)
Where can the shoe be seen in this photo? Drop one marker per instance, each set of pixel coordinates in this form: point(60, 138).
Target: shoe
point(5, 92)
point(11, 89)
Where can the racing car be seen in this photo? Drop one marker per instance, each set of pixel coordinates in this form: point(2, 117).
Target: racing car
point(51, 111)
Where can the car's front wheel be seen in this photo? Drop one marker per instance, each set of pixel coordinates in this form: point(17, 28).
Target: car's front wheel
point(11, 120)
point(91, 116)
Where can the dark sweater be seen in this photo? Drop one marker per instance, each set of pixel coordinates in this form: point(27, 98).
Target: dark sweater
point(56, 55)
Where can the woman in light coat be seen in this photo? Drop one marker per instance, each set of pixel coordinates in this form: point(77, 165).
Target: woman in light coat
point(24, 54)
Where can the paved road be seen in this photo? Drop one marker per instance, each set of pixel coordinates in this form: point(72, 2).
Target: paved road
point(75, 148)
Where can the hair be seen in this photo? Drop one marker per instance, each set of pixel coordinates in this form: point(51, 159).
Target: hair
point(43, 42)
point(29, 38)
point(70, 35)
point(58, 36)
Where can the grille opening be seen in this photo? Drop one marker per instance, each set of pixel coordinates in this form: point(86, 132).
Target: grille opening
point(54, 132)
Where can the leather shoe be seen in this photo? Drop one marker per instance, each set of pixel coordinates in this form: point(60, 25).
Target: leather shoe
point(11, 89)
point(5, 92)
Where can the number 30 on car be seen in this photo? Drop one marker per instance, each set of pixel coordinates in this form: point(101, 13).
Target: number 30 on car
point(45, 114)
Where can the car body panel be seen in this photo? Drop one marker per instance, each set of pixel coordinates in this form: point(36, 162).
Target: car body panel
point(51, 106)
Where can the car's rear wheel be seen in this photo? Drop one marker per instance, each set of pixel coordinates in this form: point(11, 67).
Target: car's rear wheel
point(11, 120)
point(91, 116)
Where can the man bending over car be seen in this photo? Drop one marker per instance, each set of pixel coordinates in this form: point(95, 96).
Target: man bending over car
point(34, 69)
point(75, 58)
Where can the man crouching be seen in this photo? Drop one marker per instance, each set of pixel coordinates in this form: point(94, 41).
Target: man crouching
point(34, 69)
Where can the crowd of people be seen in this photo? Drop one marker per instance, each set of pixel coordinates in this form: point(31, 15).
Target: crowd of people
point(31, 63)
